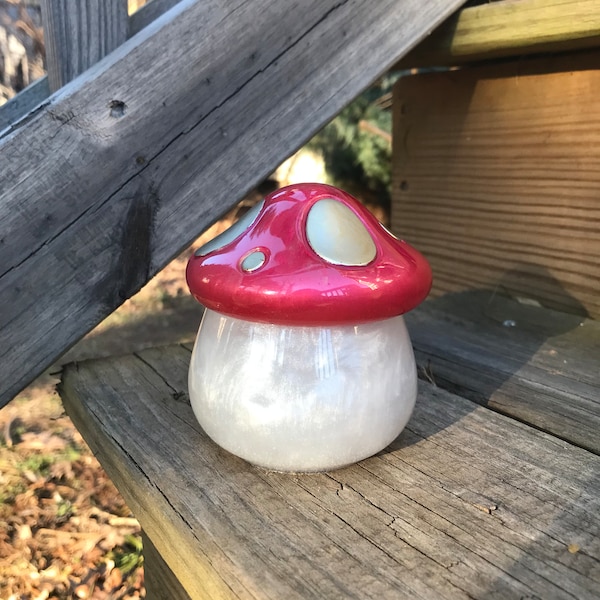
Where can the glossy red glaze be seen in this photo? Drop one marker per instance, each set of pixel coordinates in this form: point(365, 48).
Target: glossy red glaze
point(294, 285)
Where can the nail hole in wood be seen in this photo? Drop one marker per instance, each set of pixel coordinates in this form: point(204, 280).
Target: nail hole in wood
point(117, 108)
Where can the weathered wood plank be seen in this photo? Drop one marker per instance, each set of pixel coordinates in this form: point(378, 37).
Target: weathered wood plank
point(24, 102)
point(148, 13)
point(509, 28)
point(534, 364)
point(465, 504)
point(159, 581)
point(497, 178)
point(78, 33)
point(28, 99)
point(126, 165)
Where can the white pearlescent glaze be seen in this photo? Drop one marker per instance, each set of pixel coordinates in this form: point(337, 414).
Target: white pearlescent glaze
point(300, 398)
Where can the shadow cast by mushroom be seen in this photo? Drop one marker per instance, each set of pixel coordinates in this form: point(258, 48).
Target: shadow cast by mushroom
point(486, 345)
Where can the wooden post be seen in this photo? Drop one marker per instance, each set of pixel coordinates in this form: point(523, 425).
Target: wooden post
point(79, 33)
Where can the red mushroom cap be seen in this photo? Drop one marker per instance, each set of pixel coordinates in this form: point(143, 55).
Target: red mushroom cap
point(309, 254)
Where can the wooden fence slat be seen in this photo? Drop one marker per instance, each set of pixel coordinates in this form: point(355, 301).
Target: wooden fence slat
point(78, 33)
point(126, 166)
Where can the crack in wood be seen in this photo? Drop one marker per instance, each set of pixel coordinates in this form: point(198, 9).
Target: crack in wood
point(62, 118)
point(174, 390)
point(362, 497)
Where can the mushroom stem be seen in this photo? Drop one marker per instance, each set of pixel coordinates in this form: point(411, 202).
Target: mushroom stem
point(301, 398)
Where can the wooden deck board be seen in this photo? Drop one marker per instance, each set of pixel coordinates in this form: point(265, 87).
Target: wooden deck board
point(466, 503)
point(503, 29)
point(159, 581)
point(537, 365)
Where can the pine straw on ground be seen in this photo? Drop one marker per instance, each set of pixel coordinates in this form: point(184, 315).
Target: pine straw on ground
point(65, 532)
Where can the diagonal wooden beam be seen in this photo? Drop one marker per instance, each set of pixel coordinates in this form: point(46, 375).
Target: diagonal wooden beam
point(122, 168)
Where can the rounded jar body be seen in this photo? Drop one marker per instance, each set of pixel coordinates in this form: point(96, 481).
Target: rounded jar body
point(302, 398)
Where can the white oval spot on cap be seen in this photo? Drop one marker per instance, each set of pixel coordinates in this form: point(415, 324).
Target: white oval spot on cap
point(337, 235)
point(232, 232)
point(255, 260)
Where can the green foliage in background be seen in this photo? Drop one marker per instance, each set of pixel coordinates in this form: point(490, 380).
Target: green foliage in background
point(356, 151)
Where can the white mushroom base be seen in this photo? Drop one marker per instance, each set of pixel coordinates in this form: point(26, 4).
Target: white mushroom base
point(297, 398)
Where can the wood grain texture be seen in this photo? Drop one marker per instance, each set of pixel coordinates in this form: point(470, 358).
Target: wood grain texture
point(24, 102)
point(129, 163)
point(466, 503)
point(78, 33)
point(159, 581)
point(508, 28)
point(28, 99)
point(148, 13)
point(536, 365)
point(497, 178)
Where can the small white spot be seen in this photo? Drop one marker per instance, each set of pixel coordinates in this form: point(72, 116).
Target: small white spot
point(509, 323)
point(255, 260)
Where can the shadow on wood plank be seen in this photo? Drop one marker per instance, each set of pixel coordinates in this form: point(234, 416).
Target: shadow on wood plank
point(537, 365)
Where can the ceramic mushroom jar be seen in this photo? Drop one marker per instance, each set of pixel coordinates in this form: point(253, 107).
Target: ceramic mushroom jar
point(302, 361)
